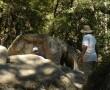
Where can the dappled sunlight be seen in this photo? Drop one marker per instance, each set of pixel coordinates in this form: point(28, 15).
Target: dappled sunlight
point(48, 70)
point(18, 73)
point(27, 72)
point(34, 68)
point(31, 67)
point(7, 76)
point(3, 61)
point(29, 59)
point(65, 80)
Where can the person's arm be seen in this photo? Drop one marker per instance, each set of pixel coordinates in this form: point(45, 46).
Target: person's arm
point(84, 48)
point(85, 44)
point(96, 48)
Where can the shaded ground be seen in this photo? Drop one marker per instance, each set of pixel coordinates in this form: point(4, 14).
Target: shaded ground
point(100, 78)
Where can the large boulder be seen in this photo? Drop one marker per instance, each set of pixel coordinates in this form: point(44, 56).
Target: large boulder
point(29, 71)
point(3, 54)
point(49, 47)
point(35, 72)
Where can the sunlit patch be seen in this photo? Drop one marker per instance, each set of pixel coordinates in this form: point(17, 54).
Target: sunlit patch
point(2, 61)
point(27, 72)
point(65, 80)
point(29, 59)
point(6, 76)
point(48, 70)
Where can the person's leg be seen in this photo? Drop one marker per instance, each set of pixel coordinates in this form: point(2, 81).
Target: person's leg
point(87, 69)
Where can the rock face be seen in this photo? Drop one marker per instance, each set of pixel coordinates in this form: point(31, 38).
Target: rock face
point(49, 47)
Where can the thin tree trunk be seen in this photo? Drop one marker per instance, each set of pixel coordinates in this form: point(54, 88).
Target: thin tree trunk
point(56, 6)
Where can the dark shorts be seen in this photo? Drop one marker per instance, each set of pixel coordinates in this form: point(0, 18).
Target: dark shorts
point(88, 67)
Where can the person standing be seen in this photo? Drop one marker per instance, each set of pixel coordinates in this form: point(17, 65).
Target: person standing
point(88, 54)
point(36, 51)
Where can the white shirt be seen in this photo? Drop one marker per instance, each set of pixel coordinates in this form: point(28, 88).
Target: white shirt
point(89, 41)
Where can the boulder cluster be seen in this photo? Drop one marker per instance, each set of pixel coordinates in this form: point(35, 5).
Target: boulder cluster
point(22, 70)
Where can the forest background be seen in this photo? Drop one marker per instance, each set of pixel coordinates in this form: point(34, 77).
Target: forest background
point(57, 18)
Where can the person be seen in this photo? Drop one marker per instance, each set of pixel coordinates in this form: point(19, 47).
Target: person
point(35, 50)
point(88, 54)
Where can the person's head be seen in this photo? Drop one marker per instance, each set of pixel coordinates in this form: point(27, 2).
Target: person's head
point(86, 29)
point(35, 50)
